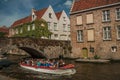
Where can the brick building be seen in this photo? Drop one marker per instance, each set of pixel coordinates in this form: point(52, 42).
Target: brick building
point(95, 28)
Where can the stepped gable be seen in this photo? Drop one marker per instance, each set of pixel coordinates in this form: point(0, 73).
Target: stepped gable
point(87, 4)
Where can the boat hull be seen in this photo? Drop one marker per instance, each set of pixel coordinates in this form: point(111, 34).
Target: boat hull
point(51, 71)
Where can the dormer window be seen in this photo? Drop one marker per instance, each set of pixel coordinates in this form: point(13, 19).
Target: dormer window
point(33, 17)
point(50, 15)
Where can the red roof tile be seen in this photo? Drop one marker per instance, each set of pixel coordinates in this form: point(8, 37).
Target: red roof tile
point(21, 21)
point(58, 14)
point(4, 29)
point(39, 14)
point(87, 4)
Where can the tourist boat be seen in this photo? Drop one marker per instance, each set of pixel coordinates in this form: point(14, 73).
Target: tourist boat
point(65, 70)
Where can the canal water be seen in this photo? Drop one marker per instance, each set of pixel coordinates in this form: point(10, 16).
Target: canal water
point(85, 71)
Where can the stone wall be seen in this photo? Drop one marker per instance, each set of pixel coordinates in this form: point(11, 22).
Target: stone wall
point(50, 48)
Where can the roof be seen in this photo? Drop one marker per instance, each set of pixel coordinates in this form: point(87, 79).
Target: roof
point(58, 14)
point(21, 21)
point(87, 4)
point(4, 29)
point(39, 14)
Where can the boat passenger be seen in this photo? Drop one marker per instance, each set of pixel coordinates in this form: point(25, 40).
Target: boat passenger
point(61, 63)
point(38, 63)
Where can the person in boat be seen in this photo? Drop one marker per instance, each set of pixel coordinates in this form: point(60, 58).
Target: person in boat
point(61, 63)
point(38, 63)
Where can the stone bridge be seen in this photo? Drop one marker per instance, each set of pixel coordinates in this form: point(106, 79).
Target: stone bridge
point(36, 47)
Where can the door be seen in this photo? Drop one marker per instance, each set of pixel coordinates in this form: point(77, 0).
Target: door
point(85, 53)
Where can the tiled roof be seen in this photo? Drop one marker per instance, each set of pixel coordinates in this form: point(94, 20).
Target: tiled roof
point(87, 4)
point(21, 21)
point(4, 29)
point(58, 14)
point(39, 14)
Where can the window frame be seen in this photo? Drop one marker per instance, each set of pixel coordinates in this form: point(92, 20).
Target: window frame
point(106, 15)
point(117, 13)
point(55, 27)
point(107, 33)
point(118, 32)
point(79, 35)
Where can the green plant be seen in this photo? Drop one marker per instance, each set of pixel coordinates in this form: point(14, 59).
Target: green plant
point(2, 34)
point(41, 29)
point(96, 57)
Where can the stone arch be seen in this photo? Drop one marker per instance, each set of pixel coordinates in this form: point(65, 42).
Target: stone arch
point(34, 53)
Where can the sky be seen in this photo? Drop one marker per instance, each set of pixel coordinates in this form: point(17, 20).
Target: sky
point(12, 10)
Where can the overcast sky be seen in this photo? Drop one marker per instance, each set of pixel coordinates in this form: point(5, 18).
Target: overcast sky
point(12, 10)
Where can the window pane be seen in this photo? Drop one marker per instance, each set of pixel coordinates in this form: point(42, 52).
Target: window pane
point(118, 13)
point(80, 35)
point(106, 15)
point(106, 33)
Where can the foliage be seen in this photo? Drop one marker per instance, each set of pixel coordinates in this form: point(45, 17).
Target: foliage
point(41, 29)
point(2, 34)
point(96, 57)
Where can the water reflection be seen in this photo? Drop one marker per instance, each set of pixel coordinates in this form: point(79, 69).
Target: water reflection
point(45, 76)
point(85, 71)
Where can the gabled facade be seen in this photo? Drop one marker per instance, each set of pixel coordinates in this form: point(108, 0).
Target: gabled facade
point(95, 28)
point(46, 14)
point(64, 26)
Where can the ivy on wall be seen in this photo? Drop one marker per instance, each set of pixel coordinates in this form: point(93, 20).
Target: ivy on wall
point(2, 34)
point(40, 29)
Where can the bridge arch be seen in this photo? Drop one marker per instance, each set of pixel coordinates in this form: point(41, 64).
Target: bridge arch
point(34, 53)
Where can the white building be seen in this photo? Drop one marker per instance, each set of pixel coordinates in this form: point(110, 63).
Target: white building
point(58, 23)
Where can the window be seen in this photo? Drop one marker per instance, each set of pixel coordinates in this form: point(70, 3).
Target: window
point(50, 15)
point(64, 27)
point(118, 32)
point(107, 33)
point(49, 24)
point(80, 35)
point(90, 34)
point(79, 20)
point(106, 15)
point(21, 31)
point(33, 16)
point(64, 18)
point(68, 27)
point(89, 18)
point(33, 27)
point(55, 26)
point(28, 27)
point(16, 31)
point(56, 36)
point(118, 14)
